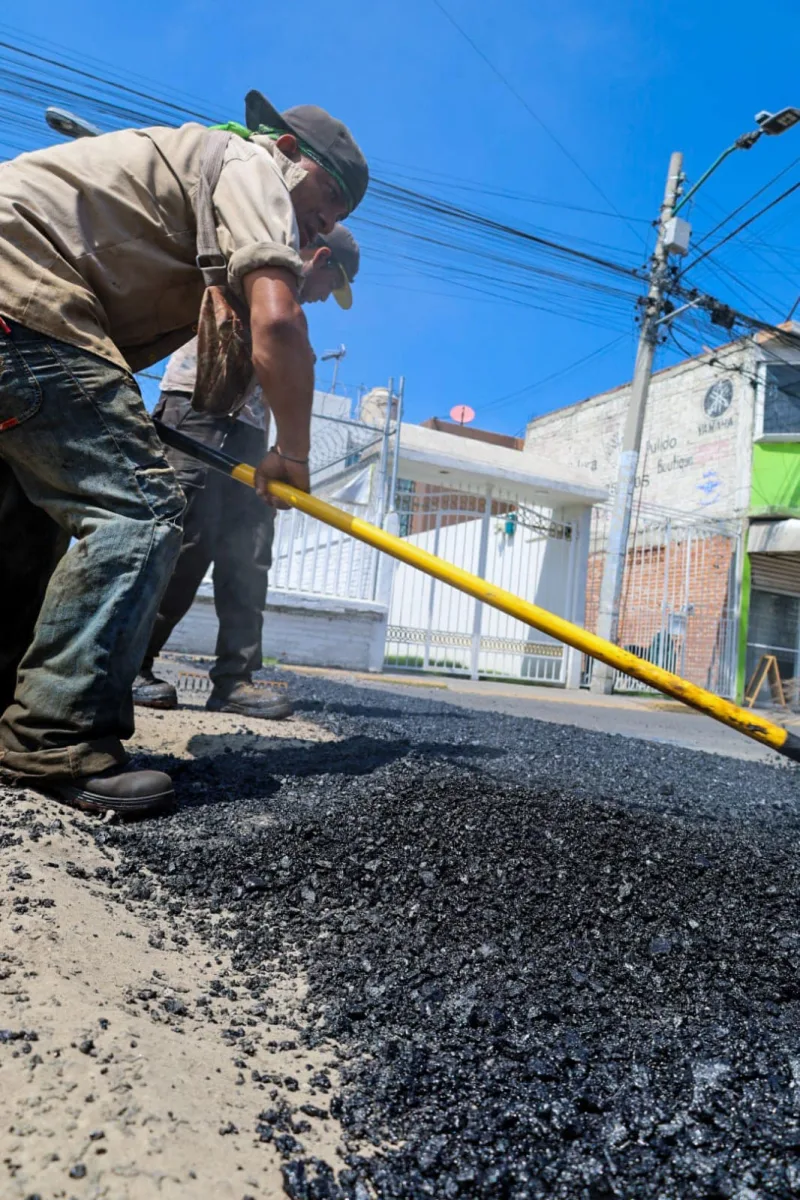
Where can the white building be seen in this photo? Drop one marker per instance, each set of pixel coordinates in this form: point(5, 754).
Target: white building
point(510, 517)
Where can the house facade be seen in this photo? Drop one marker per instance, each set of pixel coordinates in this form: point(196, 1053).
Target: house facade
point(713, 564)
point(477, 501)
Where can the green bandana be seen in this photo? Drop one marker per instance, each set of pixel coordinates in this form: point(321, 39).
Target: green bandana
point(234, 127)
point(304, 148)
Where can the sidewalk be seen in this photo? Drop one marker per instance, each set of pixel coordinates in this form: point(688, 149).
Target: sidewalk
point(653, 718)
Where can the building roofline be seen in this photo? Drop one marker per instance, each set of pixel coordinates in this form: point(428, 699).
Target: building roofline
point(620, 386)
point(446, 460)
point(760, 339)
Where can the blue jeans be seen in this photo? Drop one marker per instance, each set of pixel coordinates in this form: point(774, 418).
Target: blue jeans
point(79, 458)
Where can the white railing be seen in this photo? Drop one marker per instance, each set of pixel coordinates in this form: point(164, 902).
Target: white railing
point(312, 558)
point(349, 465)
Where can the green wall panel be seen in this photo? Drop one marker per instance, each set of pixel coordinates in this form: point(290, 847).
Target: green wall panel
point(775, 483)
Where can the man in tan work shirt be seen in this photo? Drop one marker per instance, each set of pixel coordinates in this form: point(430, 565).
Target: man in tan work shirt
point(99, 277)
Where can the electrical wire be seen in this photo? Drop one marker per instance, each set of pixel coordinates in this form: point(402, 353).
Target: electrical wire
point(100, 79)
point(778, 199)
point(500, 401)
point(530, 110)
point(746, 290)
point(388, 197)
point(474, 253)
point(455, 183)
point(756, 248)
point(745, 203)
point(420, 203)
point(489, 258)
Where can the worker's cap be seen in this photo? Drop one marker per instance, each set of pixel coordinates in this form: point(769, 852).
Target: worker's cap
point(320, 137)
point(347, 257)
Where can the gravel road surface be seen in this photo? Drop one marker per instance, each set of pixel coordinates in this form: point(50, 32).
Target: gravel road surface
point(547, 962)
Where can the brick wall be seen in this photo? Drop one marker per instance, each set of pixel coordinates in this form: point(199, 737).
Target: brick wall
point(427, 500)
point(475, 435)
point(656, 573)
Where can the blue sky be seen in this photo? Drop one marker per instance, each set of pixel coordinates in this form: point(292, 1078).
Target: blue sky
point(619, 84)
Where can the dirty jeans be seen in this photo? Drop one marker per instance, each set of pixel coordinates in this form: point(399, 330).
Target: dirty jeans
point(79, 458)
point(225, 524)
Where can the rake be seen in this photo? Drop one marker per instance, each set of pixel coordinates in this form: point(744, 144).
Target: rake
point(742, 720)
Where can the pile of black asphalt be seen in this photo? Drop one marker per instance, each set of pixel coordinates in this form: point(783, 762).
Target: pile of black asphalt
point(548, 962)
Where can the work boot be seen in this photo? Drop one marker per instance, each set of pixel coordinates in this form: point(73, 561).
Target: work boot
point(270, 703)
point(126, 793)
point(150, 692)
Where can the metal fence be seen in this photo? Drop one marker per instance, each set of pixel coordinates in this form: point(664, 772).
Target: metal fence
point(312, 558)
point(340, 442)
point(350, 465)
point(527, 550)
point(680, 602)
point(680, 599)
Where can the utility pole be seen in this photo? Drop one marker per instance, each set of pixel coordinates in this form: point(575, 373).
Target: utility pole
point(337, 356)
point(622, 502)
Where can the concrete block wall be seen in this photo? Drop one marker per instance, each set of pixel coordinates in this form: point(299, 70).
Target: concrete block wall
point(697, 439)
point(306, 631)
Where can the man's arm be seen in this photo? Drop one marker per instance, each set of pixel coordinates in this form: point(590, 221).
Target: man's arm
point(284, 364)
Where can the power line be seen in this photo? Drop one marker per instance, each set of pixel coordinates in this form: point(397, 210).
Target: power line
point(581, 314)
point(99, 79)
point(751, 245)
point(87, 62)
point(740, 207)
point(455, 183)
point(739, 228)
point(532, 387)
point(424, 207)
point(430, 203)
point(514, 277)
point(531, 112)
point(747, 290)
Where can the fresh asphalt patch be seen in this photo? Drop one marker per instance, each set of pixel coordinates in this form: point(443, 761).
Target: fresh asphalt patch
point(549, 962)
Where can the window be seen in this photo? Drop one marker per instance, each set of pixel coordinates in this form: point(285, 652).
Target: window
point(782, 399)
point(405, 506)
point(774, 628)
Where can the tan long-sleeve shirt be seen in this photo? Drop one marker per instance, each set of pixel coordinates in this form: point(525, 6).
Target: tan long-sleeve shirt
point(98, 236)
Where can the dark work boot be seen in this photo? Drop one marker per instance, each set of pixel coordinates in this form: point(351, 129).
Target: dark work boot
point(126, 793)
point(150, 692)
point(268, 701)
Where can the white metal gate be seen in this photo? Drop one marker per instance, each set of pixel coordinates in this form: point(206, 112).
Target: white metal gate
point(527, 550)
point(680, 600)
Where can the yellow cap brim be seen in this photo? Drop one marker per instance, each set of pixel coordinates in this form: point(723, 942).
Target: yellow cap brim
point(344, 294)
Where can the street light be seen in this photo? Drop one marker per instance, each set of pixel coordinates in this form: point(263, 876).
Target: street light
point(774, 123)
point(67, 124)
point(768, 123)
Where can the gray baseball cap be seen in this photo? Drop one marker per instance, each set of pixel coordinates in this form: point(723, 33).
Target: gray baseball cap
point(347, 256)
point(320, 136)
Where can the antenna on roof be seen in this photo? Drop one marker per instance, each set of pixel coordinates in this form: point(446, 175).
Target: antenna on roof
point(462, 414)
point(337, 356)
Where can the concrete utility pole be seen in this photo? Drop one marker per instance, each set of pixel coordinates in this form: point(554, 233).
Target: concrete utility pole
point(622, 503)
